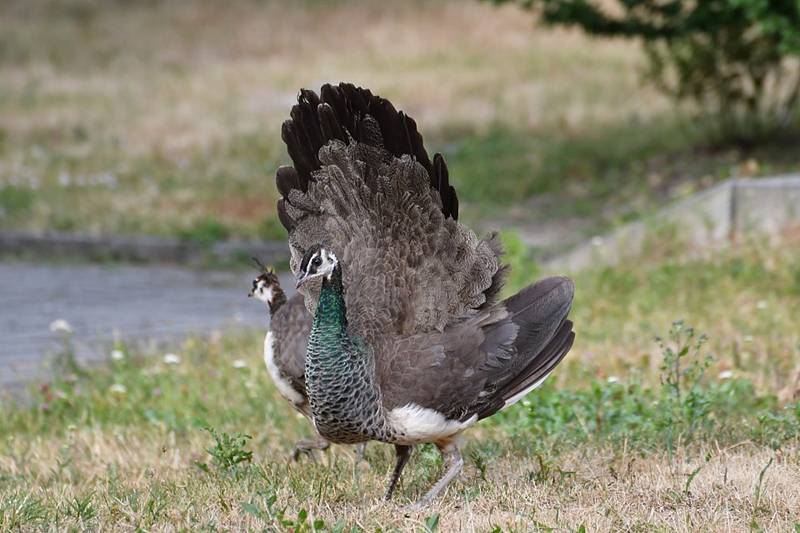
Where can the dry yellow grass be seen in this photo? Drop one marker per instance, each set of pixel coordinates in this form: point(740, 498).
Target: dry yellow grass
point(600, 489)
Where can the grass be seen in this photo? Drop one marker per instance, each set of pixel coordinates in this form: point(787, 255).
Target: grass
point(696, 431)
point(152, 118)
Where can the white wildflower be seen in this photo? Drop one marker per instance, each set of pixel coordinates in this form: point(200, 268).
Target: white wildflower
point(240, 363)
point(60, 326)
point(726, 374)
point(118, 388)
point(761, 305)
point(598, 241)
point(172, 359)
point(748, 338)
point(117, 355)
point(612, 379)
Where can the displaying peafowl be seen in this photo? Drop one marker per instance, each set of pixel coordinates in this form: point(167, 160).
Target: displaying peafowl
point(410, 343)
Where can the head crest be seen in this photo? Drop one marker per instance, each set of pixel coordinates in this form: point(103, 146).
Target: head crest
point(265, 269)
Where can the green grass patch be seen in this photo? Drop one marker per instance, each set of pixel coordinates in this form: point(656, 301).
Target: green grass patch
point(15, 201)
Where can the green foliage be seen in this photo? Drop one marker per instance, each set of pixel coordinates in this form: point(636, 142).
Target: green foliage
point(228, 451)
point(270, 228)
point(684, 401)
point(15, 201)
point(730, 57)
point(206, 231)
point(686, 408)
point(432, 523)
point(82, 508)
point(518, 256)
point(276, 518)
point(21, 509)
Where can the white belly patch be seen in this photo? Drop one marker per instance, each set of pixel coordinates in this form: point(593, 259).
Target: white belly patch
point(284, 387)
point(417, 424)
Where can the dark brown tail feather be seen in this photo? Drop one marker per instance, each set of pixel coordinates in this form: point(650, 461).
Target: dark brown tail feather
point(537, 370)
point(340, 113)
point(543, 338)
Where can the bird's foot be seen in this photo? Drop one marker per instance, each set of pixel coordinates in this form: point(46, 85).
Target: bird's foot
point(361, 449)
point(308, 447)
point(453, 462)
point(417, 506)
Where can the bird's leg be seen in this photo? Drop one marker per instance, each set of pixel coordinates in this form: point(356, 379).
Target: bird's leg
point(453, 462)
point(402, 453)
point(361, 449)
point(307, 447)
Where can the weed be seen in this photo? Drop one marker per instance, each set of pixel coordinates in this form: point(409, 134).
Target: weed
point(758, 492)
point(81, 507)
point(684, 403)
point(277, 518)
point(479, 461)
point(690, 478)
point(432, 523)
point(20, 509)
point(228, 451)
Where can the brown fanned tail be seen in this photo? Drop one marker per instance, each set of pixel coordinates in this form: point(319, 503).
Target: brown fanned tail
point(348, 113)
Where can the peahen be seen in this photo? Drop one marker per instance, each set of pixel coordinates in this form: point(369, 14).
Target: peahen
point(409, 343)
point(285, 349)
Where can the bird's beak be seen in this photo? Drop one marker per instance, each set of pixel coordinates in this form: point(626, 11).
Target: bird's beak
point(301, 277)
point(250, 294)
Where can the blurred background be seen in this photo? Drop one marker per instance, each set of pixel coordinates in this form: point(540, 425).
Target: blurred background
point(163, 118)
point(139, 140)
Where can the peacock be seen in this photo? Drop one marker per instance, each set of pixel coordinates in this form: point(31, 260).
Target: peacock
point(410, 342)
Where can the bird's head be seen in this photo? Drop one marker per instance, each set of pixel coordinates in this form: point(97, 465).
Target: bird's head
point(266, 286)
point(318, 262)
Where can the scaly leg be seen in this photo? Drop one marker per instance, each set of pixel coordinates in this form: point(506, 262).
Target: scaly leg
point(361, 449)
point(308, 446)
point(453, 462)
point(402, 454)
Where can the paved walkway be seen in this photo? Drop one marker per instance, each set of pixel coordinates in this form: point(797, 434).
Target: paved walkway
point(103, 302)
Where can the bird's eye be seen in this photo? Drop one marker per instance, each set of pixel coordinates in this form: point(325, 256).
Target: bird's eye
point(316, 262)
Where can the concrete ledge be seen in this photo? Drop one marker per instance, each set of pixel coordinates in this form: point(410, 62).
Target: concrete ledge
point(709, 219)
point(137, 249)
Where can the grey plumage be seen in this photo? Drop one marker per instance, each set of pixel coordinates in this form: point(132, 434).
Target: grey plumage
point(290, 325)
point(409, 343)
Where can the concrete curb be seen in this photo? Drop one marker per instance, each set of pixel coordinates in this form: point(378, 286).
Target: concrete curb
point(709, 219)
point(135, 249)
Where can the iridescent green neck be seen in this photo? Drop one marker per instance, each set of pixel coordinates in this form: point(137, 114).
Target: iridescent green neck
point(329, 332)
point(340, 374)
point(331, 310)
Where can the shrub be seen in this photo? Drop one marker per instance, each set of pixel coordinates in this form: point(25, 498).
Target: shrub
point(737, 60)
